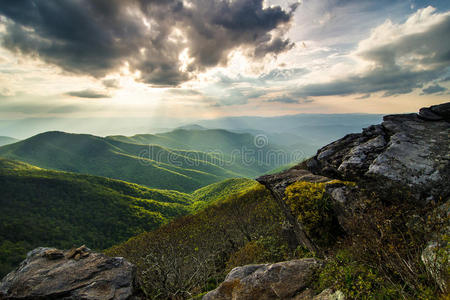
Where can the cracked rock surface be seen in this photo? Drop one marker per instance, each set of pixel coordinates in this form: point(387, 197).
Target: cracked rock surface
point(283, 280)
point(406, 149)
point(49, 273)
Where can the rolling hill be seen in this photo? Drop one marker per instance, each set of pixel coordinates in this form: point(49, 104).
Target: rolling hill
point(121, 158)
point(207, 140)
point(251, 154)
point(6, 140)
point(42, 207)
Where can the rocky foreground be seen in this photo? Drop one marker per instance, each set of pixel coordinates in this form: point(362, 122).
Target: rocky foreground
point(49, 273)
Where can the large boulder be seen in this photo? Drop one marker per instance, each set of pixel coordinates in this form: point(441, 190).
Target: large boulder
point(49, 273)
point(283, 280)
point(410, 150)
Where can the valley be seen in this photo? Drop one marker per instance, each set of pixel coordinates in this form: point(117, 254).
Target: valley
point(63, 209)
point(179, 160)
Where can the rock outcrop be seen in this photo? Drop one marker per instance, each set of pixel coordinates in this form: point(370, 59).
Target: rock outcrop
point(280, 181)
point(283, 280)
point(49, 273)
point(410, 150)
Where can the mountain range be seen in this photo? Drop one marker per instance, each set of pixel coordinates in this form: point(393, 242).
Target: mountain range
point(182, 160)
point(6, 140)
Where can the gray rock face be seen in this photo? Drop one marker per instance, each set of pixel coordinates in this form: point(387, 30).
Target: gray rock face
point(49, 273)
point(442, 110)
point(427, 114)
point(343, 198)
point(436, 264)
point(327, 294)
point(409, 150)
point(283, 280)
point(280, 181)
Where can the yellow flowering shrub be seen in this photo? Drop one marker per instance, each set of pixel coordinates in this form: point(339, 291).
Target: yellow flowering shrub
point(313, 209)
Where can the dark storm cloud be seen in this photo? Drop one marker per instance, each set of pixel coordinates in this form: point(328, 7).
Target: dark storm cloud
point(283, 99)
point(290, 99)
point(90, 94)
point(407, 63)
point(97, 36)
point(433, 89)
point(111, 83)
point(366, 96)
point(392, 82)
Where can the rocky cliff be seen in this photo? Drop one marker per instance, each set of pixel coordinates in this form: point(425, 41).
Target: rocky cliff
point(409, 151)
point(406, 151)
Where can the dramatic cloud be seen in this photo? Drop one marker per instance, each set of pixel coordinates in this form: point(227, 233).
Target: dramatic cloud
point(90, 94)
point(276, 75)
point(164, 42)
point(392, 82)
point(400, 58)
point(284, 74)
point(111, 83)
point(183, 92)
point(283, 99)
point(432, 89)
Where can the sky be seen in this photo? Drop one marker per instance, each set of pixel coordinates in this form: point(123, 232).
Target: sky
point(214, 58)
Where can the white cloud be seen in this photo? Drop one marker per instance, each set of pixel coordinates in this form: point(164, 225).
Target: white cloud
point(394, 59)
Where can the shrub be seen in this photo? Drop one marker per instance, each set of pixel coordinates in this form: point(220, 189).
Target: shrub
point(389, 235)
point(264, 250)
point(354, 279)
point(313, 209)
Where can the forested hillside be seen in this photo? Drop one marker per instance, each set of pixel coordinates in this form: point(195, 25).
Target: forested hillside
point(190, 255)
point(195, 139)
point(51, 208)
point(249, 152)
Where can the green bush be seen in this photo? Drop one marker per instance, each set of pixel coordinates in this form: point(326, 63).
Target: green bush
point(264, 250)
point(313, 209)
point(355, 280)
